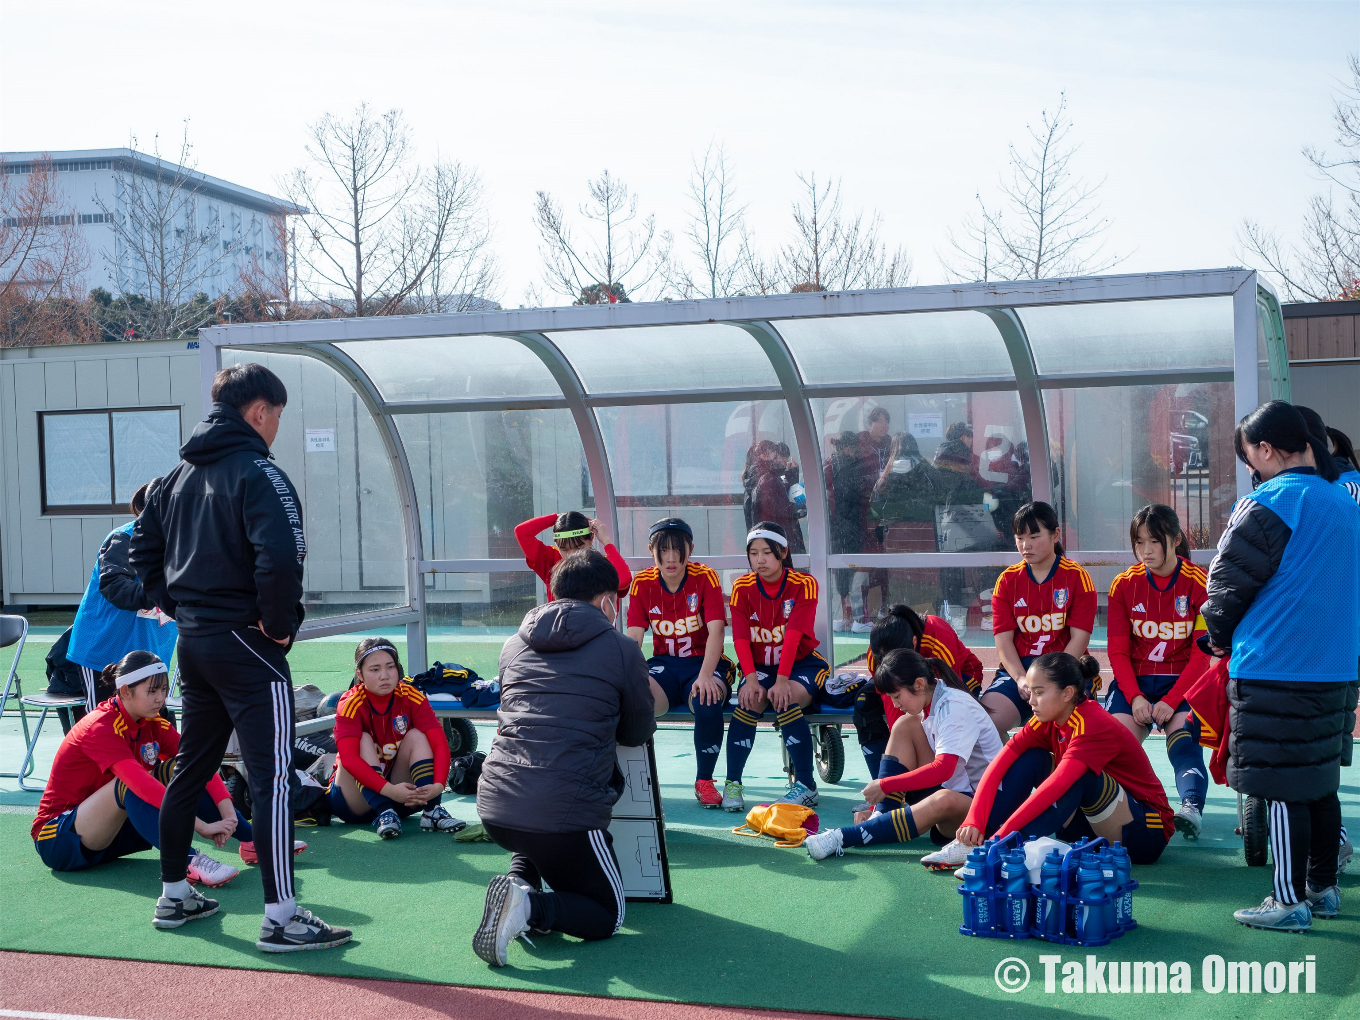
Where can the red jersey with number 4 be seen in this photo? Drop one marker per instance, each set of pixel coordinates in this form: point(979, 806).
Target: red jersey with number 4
point(678, 620)
point(761, 615)
point(387, 720)
point(1043, 614)
point(1152, 623)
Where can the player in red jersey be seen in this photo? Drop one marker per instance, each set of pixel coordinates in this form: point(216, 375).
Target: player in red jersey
point(1153, 614)
point(1071, 771)
point(393, 756)
point(774, 613)
point(571, 531)
point(1030, 616)
point(103, 798)
point(682, 603)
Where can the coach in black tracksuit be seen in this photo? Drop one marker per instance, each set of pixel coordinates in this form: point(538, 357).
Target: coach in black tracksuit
point(220, 545)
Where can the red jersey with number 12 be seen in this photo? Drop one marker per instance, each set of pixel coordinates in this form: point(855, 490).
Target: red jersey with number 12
point(761, 615)
point(678, 620)
point(1043, 615)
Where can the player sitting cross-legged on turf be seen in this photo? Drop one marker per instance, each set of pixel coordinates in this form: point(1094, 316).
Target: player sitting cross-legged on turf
point(392, 755)
point(682, 603)
point(103, 800)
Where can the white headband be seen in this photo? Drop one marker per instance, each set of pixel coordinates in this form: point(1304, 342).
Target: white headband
point(769, 536)
point(128, 679)
point(377, 648)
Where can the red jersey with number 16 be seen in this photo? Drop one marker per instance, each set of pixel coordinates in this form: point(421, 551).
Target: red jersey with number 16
point(1042, 614)
point(678, 620)
point(760, 615)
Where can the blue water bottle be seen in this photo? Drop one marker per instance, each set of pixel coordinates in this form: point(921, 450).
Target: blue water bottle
point(1015, 881)
point(1123, 870)
point(1114, 902)
point(977, 908)
point(1091, 897)
point(1050, 884)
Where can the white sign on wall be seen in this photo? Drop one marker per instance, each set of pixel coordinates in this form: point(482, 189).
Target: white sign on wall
point(926, 426)
point(321, 440)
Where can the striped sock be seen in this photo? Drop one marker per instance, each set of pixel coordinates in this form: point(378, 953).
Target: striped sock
point(888, 765)
point(422, 774)
point(895, 826)
point(1187, 758)
point(797, 736)
point(741, 736)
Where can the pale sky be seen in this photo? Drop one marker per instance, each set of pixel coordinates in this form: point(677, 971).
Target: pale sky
point(1193, 113)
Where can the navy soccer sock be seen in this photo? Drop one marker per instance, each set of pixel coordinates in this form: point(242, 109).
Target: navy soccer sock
point(797, 736)
point(741, 737)
point(207, 811)
point(708, 736)
point(144, 818)
point(895, 826)
point(1186, 755)
point(888, 765)
point(873, 755)
point(422, 774)
point(376, 800)
point(1020, 780)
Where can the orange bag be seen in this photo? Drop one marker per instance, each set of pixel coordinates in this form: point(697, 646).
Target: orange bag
point(782, 821)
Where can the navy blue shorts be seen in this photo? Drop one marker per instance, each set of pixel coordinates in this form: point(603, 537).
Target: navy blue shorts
point(59, 845)
point(1153, 688)
point(675, 675)
point(1003, 683)
point(809, 672)
point(1144, 837)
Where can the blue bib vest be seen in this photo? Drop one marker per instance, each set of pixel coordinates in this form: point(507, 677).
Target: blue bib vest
point(103, 633)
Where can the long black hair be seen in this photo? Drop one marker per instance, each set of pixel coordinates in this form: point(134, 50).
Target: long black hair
point(898, 626)
point(571, 520)
point(1031, 516)
point(1162, 525)
point(1342, 449)
point(1062, 669)
point(1280, 424)
point(784, 553)
point(902, 667)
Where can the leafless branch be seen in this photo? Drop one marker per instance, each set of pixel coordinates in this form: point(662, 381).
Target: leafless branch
point(714, 229)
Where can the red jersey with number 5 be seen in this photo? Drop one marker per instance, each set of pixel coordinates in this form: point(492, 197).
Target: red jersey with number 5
point(678, 620)
point(761, 615)
point(1042, 614)
point(1152, 623)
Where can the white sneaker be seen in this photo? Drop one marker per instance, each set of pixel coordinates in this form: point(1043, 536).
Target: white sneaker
point(821, 845)
point(861, 628)
point(841, 626)
point(950, 856)
point(504, 919)
point(205, 870)
point(801, 795)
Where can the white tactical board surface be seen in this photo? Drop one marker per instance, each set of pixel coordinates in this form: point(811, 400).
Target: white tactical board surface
point(639, 828)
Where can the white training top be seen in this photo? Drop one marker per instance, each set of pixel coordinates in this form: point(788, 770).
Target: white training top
point(958, 724)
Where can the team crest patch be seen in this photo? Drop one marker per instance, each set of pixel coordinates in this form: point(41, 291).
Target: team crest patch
point(401, 724)
point(693, 602)
point(150, 752)
point(1060, 598)
point(1182, 604)
point(788, 608)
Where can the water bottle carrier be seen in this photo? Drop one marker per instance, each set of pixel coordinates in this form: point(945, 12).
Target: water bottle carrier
point(992, 910)
point(1069, 904)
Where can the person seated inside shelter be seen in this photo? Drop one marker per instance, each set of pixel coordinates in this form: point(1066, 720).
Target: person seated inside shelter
point(572, 532)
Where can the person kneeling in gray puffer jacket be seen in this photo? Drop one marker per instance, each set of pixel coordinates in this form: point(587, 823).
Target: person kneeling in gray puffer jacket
point(572, 689)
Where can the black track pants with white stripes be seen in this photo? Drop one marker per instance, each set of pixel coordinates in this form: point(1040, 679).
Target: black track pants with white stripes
point(235, 681)
point(1303, 845)
point(580, 867)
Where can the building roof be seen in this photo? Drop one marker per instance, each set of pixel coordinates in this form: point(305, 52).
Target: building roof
point(129, 160)
point(1319, 309)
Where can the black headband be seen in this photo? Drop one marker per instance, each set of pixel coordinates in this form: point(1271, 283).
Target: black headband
point(671, 524)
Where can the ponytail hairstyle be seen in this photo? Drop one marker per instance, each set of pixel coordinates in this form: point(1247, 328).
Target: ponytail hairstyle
point(570, 526)
point(367, 647)
point(138, 501)
point(1164, 527)
point(773, 533)
point(902, 667)
point(1064, 670)
point(1280, 424)
point(1342, 449)
point(135, 668)
point(1034, 516)
point(897, 626)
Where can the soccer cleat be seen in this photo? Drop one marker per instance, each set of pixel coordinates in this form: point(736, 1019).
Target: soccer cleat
point(436, 819)
point(821, 845)
point(797, 793)
point(205, 870)
point(950, 856)
point(304, 931)
point(388, 824)
point(1343, 856)
point(732, 799)
point(1188, 819)
point(250, 856)
point(707, 794)
point(1325, 903)
point(1273, 916)
point(172, 913)
point(504, 919)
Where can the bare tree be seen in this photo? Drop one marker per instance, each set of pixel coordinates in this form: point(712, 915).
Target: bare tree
point(833, 250)
point(164, 244)
point(1325, 263)
point(42, 257)
point(615, 256)
point(383, 235)
point(715, 228)
point(1046, 223)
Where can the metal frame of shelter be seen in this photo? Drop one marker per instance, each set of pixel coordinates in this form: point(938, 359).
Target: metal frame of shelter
point(1257, 325)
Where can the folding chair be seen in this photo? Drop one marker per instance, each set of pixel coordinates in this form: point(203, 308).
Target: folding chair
point(14, 629)
point(47, 703)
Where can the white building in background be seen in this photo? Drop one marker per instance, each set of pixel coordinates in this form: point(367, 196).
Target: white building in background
point(240, 217)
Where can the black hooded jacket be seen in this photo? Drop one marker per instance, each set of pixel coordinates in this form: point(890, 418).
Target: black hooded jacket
point(220, 543)
point(572, 689)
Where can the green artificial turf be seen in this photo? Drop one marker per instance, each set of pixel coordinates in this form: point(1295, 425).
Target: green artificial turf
point(751, 925)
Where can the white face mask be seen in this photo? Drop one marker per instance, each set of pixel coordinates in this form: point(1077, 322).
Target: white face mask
point(610, 608)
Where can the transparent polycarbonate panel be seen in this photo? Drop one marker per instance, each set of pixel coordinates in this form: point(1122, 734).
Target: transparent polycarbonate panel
point(923, 473)
point(913, 347)
point(478, 474)
point(671, 358)
point(469, 616)
point(720, 466)
point(331, 450)
point(1131, 336)
point(1117, 449)
point(452, 368)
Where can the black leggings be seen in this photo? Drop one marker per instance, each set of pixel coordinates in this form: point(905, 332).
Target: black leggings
point(581, 869)
point(1303, 842)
